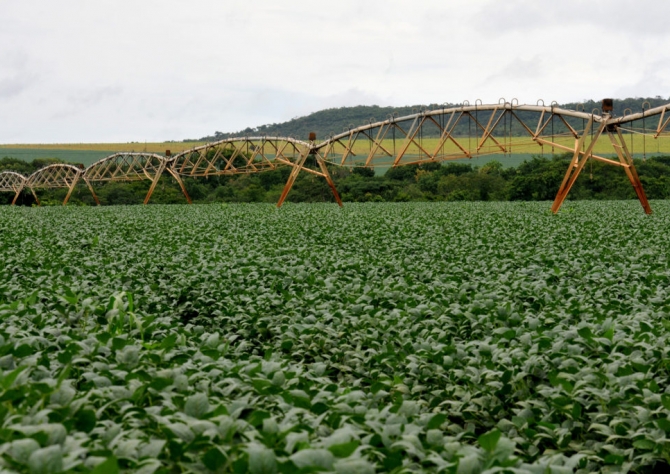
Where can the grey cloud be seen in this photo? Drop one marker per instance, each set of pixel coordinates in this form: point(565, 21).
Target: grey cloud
point(11, 86)
point(85, 100)
point(17, 77)
point(94, 96)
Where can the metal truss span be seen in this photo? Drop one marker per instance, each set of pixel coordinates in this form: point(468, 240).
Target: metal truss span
point(436, 135)
point(59, 175)
point(239, 156)
point(467, 131)
point(12, 182)
point(246, 155)
point(131, 167)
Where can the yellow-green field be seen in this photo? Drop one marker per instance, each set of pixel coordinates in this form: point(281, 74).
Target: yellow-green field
point(87, 153)
point(159, 147)
point(517, 149)
point(519, 145)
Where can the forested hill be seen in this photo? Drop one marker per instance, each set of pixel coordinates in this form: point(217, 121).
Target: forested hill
point(334, 121)
point(323, 122)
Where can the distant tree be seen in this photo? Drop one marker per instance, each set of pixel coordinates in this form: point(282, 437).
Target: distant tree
point(402, 173)
point(365, 172)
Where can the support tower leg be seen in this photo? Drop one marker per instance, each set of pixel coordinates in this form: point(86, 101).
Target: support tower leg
point(576, 167)
point(292, 177)
point(95, 196)
point(329, 180)
point(35, 196)
point(69, 192)
point(627, 159)
point(181, 184)
point(16, 196)
point(159, 172)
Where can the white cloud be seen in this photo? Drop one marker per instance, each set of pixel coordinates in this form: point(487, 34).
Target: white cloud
point(153, 70)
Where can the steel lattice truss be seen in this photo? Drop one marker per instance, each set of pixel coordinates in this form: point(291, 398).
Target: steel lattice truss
point(126, 167)
point(423, 137)
point(401, 141)
point(59, 175)
point(54, 176)
point(489, 123)
point(251, 155)
point(12, 182)
point(239, 156)
point(131, 167)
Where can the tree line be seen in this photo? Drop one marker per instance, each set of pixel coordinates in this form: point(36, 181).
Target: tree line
point(533, 180)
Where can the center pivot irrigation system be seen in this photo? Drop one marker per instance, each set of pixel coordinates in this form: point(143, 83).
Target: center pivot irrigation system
point(429, 135)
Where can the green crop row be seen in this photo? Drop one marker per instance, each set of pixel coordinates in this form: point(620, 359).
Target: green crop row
point(407, 337)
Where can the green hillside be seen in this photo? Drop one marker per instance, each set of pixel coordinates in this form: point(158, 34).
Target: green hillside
point(337, 120)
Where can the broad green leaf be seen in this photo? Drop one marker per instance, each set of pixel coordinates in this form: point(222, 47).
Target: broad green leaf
point(257, 417)
point(664, 424)
point(21, 449)
point(261, 460)
point(197, 405)
point(47, 460)
point(214, 459)
point(169, 342)
point(181, 431)
point(345, 449)
point(585, 332)
point(468, 464)
point(644, 444)
point(436, 421)
point(665, 399)
point(109, 466)
point(85, 420)
point(319, 458)
point(354, 466)
point(489, 440)
point(9, 379)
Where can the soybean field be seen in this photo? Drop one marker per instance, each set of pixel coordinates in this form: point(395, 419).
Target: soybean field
point(395, 337)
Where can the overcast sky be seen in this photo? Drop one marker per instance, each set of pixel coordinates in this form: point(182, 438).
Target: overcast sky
point(153, 70)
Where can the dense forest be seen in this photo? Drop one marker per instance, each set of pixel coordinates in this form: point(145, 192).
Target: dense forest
point(333, 121)
point(536, 179)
